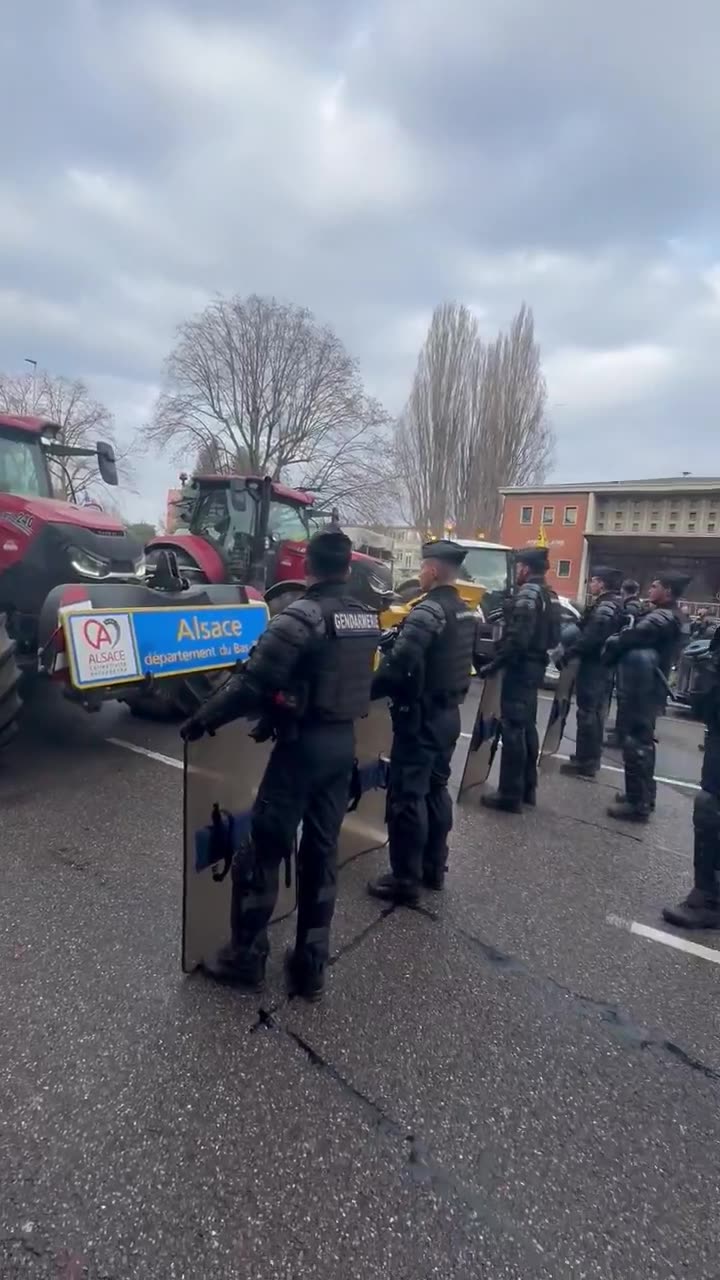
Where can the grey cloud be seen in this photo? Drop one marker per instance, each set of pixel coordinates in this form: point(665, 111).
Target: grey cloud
point(370, 160)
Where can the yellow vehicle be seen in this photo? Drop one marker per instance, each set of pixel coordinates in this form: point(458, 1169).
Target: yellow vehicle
point(486, 574)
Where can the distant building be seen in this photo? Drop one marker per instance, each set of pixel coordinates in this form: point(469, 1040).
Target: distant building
point(638, 526)
point(370, 541)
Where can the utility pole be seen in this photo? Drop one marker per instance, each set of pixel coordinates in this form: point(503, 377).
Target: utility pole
point(34, 380)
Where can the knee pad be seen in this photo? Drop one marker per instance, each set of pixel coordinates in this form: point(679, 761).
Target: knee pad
point(706, 812)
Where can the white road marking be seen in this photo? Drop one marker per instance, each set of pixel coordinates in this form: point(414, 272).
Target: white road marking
point(466, 735)
point(671, 782)
point(667, 939)
point(145, 751)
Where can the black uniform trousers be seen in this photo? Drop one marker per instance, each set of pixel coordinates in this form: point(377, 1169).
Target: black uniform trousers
point(706, 822)
point(592, 692)
point(419, 811)
point(307, 780)
point(518, 730)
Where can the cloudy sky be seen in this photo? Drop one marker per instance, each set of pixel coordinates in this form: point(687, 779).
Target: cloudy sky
point(370, 158)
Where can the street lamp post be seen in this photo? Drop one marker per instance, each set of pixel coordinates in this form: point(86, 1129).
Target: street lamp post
point(29, 361)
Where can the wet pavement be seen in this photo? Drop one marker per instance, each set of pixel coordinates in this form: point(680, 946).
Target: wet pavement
point(504, 1083)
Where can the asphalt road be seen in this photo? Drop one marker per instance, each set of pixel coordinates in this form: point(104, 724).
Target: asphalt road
point(508, 1082)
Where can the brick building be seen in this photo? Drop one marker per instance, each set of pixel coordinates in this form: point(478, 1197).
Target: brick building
point(639, 526)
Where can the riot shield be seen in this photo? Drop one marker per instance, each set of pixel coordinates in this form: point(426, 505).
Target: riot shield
point(485, 735)
point(559, 710)
point(364, 826)
point(222, 776)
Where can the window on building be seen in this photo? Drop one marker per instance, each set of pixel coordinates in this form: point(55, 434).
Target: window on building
point(692, 515)
point(570, 516)
point(548, 515)
point(563, 568)
point(711, 526)
point(526, 515)
point(691, 525)
point(619, 522)
point(653, 524)
point(672, 526)
point(618, 515)
point(673, 515)
point(636, 525)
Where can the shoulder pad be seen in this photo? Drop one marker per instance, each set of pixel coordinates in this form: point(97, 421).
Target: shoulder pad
point(307, 612)
point(427, 613)
point(529, 594)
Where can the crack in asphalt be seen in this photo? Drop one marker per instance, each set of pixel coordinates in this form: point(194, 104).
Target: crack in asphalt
point(609, 1014)
point(424, 1169)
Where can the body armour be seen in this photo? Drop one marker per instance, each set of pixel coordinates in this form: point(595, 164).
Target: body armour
point(448, 660)
point(337, 669)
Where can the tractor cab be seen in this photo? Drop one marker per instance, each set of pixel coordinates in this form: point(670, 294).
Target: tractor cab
point(254, 532)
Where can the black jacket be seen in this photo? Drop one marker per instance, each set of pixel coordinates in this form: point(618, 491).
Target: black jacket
point(600, 621)
point(318, 651)
point(660, 629)
point(532, 626)
point(432, 653)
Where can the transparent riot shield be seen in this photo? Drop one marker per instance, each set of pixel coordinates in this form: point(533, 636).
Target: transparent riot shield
point(364, 826)
point(559, 710)
point(485, 735)
point(222, 776)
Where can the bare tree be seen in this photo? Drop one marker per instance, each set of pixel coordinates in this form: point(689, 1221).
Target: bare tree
point(507, 438)
point(475, 422)
point(433, 425)
point(82, 420)
point(258, 382)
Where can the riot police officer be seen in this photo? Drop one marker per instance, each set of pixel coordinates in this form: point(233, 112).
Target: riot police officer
point(426, 674)
point(632, 609)
point(645, 653)
point(309, 676)
point(531, 629)
point(593, 683)
point(701, 908)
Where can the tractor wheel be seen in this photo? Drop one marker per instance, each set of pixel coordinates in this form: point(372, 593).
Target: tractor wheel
point(10, 676)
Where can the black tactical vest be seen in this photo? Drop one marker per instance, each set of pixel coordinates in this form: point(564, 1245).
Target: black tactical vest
point(339, 671)
point(448, 660)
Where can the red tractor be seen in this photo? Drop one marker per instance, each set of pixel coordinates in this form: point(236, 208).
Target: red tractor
point(253, 532)
point(56, 553)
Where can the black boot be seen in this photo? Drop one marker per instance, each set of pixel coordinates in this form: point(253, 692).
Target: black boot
point(697, 911)
point(239, 968)
point(574, 768)
point(504, 804)
point(390, 888)
point(627, 812)
point(304, 977)
point(621, 798)
point(530, 798)
point(434, 878)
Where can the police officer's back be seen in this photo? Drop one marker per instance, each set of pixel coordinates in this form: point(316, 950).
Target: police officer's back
point(645, 652)
point(632, 609)
point(309, 677)
point(603, 618)
point(426, 674)
point(531, 629)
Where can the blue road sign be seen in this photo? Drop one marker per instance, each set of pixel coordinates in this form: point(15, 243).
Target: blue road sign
point(107, 647)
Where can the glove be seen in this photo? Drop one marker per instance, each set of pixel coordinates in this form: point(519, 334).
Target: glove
point(488, 670)
point(193, 729)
